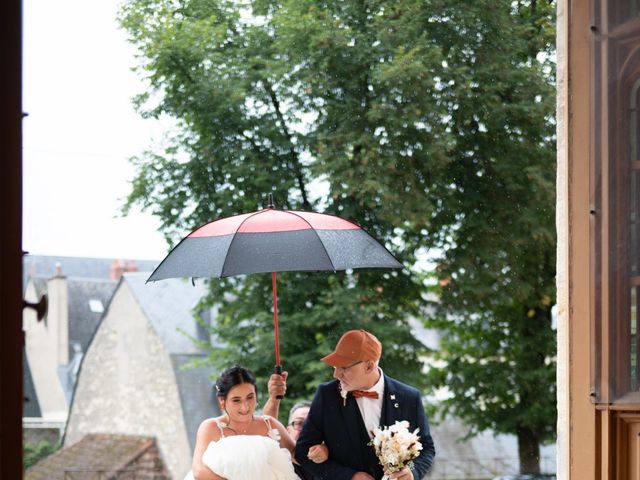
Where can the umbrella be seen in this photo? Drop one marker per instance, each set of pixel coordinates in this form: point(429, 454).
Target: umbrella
point(273, 240)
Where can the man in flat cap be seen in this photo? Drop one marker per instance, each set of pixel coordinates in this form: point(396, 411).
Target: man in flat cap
point(345, 411)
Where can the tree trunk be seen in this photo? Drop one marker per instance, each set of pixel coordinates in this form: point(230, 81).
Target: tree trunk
point(528, 451)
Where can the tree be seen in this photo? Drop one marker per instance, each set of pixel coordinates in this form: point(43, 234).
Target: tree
point(429, 123)
point(241, 104)
point(496, 224)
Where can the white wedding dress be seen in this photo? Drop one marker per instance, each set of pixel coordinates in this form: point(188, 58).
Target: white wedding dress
point(249, 457)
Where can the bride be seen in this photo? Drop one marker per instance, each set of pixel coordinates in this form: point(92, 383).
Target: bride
point(239, 445)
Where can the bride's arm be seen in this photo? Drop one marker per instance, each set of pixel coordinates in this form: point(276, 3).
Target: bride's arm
point(207, 432)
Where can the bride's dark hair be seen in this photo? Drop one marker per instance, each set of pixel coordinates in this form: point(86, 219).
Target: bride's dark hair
point(233, 376)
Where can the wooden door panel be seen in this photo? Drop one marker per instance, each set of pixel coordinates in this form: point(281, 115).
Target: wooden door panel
point(627, 453)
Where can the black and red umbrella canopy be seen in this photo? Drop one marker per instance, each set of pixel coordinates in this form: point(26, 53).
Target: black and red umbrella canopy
point(273, 240)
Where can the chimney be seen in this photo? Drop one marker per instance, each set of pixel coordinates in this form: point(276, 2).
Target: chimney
point(130, 266)
point(58, 314)
point(117, 268)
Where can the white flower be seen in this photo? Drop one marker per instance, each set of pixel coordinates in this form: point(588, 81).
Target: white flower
point(343, 393)
point(395, 446)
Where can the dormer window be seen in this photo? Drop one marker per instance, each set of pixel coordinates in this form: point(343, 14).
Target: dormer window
point(96, 306)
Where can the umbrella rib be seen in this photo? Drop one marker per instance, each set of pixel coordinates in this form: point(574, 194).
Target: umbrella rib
point(316, 234)
point(233, 238)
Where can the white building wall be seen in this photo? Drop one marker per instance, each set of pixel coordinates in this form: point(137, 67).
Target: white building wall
point(44, 341)
point(127, 385)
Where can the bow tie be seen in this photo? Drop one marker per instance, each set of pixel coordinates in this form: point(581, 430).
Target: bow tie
point(362, 393)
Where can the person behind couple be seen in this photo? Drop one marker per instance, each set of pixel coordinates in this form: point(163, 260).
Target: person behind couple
point(238, 440)
point(297, 415)
point(318, 453)
point(346, 410)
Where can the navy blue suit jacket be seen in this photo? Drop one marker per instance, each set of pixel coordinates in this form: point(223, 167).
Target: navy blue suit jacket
point(341, 427)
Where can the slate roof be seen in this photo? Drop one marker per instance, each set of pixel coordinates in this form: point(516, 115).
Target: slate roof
point(75, 267)
point(31, 406)
point(84, 295)
point(101, 453)
point(169, 306)
point(83, 319)
point(196, 394)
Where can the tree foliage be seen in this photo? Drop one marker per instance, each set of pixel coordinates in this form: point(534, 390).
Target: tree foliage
point(429, 123)
point(495, 224)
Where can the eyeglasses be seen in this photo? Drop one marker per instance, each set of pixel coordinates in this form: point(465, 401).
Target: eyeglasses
point(297, 424)
point(344, 369)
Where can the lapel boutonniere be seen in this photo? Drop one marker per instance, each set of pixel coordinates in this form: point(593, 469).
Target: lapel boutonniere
point(343, 394)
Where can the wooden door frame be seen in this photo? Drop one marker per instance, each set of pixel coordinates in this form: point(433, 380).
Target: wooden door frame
point(11, 240)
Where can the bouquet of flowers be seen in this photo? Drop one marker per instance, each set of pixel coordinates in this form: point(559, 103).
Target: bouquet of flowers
point(396, 446)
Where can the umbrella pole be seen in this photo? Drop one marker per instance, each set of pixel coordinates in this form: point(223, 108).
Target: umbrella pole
point(278, 368)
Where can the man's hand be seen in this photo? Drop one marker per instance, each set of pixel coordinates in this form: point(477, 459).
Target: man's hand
point(277, 384)
point(404, 474)
point(362, 476)
point(318, 453)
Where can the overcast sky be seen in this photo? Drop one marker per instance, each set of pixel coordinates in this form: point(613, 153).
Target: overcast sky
point(79, 133)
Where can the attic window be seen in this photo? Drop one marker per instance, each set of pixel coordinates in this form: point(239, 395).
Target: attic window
point(96, 306)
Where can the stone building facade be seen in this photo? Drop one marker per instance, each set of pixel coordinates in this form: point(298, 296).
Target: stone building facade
point(132, 380)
